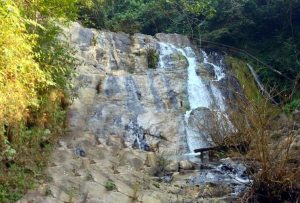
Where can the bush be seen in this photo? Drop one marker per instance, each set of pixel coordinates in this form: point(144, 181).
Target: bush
point(20, 74)
point(148, 17)
point(152, 58)
point(110, 185)
point(292, 106)
point(35, 67)
point(276, 177)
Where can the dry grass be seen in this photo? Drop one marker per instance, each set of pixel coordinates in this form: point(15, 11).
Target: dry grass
point(274, 165)
point(276, 175)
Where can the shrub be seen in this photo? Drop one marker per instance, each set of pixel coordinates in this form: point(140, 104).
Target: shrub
point(256, 140)
point(292, 106)
point(152, 58)
point(35, 67)
point(110, 185)
point(277, 176)
point(20, 74)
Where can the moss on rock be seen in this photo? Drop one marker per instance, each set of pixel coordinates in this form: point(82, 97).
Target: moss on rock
point(152, 58)
point(245, 78)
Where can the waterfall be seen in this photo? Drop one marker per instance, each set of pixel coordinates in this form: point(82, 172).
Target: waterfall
point(198, 93)
point(201, 93)
point(217, 68)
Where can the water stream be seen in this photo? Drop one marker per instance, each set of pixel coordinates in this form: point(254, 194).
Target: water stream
point(203, 93)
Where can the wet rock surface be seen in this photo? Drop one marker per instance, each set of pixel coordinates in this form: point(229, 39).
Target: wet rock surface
point(127, 125)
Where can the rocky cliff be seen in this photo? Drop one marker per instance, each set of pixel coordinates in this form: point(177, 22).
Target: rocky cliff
point(143, 105)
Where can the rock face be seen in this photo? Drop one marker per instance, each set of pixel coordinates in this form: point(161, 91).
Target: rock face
point(122, 96)
point(126, 115)
point(118, 94)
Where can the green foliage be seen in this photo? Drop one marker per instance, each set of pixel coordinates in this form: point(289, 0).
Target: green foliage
point(56, 57)
point(185, 104)
point(152, 58)
point(33, 143)
point(20, 74)
point(43, 10)
point(148, 17)
point(110, 185)
point(35, 67)
point(6, 196)
point(33, 62)
point(195, 7)
point(292, 106)
point(244, 77)
point(268, 29)
point(162, 163)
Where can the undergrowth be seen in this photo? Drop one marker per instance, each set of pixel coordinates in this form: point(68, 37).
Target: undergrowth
point(274, 165)
point(152, 58)
point(240, 70)
point(260, 138)
point(23, 168)
point(35, 89)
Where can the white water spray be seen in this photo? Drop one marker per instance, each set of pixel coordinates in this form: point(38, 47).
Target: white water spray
point(198, 92)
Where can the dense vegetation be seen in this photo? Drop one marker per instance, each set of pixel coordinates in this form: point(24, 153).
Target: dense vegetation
point(148, 17)
point(34, 71)
point(267, 29)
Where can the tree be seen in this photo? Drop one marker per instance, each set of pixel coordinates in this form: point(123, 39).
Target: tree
point(148, 17)
point(35, 67)
point(20, 74)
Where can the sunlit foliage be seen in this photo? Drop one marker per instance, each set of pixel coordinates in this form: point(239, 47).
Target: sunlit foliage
point(35, 68)
point(149, 17)
point(20, 74)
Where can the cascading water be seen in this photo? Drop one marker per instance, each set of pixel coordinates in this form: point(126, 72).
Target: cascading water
point(203, 93)
point(198, 92)
point(217, 68)
point(125, 108)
